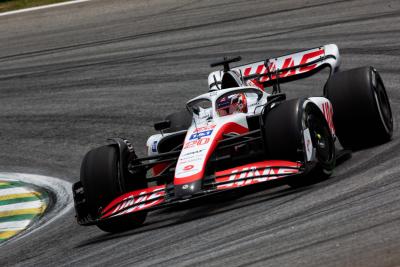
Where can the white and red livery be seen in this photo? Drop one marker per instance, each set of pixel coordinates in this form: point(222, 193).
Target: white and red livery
point(242, 132)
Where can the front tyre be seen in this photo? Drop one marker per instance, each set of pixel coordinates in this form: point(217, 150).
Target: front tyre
point(102, 182)
point(285, 126)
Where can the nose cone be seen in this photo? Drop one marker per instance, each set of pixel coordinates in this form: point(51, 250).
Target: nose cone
point(184, 191)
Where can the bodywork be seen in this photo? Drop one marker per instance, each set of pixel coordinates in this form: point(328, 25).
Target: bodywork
point(220, 153)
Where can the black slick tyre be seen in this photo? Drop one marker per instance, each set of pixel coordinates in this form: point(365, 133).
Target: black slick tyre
point(361, 110)
point(102, 183)
point(283, 135)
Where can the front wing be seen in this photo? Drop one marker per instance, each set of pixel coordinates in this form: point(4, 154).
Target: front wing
point(161, 196)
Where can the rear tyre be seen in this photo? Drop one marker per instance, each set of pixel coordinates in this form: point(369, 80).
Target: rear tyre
point(361, 110)
point(101, 180)
point(285, 125)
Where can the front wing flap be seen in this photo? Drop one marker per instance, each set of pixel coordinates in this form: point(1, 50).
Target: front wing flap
point(159, 196)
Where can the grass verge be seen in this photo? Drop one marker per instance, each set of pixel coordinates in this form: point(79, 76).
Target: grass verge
point(10, 5)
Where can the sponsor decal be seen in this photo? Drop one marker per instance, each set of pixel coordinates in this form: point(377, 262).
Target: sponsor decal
point(191, 156)
point(197, 142)
point(256, 173)
point(204, 128)
point(188, 154)
point(283, 63)
point(205, 146)
point(189, 159)
point(199, 135)
point(188, 167)
point(327, 110)
point(135, 201)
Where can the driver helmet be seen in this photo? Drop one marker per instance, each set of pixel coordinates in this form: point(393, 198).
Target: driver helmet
point(230, 104)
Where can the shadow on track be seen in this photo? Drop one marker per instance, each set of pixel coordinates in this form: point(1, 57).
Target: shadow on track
point(205, 207)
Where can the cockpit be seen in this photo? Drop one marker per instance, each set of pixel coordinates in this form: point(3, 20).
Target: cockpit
point(241, 100)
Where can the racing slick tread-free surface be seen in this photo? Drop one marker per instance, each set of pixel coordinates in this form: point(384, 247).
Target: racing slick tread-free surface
point(356, 113)
point(99, 177)
point(100, 180)
point(285, 140)
point(74, 75)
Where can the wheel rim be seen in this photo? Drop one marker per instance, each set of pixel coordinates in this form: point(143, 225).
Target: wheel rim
point(382, 102)
point(320, 136)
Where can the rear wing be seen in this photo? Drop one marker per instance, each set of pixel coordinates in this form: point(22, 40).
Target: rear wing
point(285, 68)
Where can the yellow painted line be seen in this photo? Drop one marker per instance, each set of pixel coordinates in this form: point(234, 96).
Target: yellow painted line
point(22, 211)
point(14, 225)
point(23, 195)
point(15, 190)
point(22, 205)
point(8, 234)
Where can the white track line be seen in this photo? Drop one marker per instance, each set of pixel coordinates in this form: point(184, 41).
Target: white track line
point(42, 7)
point(22, 205)
point(14, 225)
point(15, 190)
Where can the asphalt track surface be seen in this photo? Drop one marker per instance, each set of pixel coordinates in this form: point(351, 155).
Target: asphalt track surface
point(74, 75)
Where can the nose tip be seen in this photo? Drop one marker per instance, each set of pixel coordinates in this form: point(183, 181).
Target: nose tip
point(184, 191)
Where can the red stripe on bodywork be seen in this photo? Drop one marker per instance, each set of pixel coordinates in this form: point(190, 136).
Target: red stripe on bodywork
point(308, 58)
point(135, 201)
point(260, 171)
point(327, 110)
point(229, 127)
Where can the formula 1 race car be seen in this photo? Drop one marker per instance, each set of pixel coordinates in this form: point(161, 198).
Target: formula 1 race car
point(238, 135)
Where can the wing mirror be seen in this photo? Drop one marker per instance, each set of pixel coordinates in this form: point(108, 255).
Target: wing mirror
point(162, 125)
